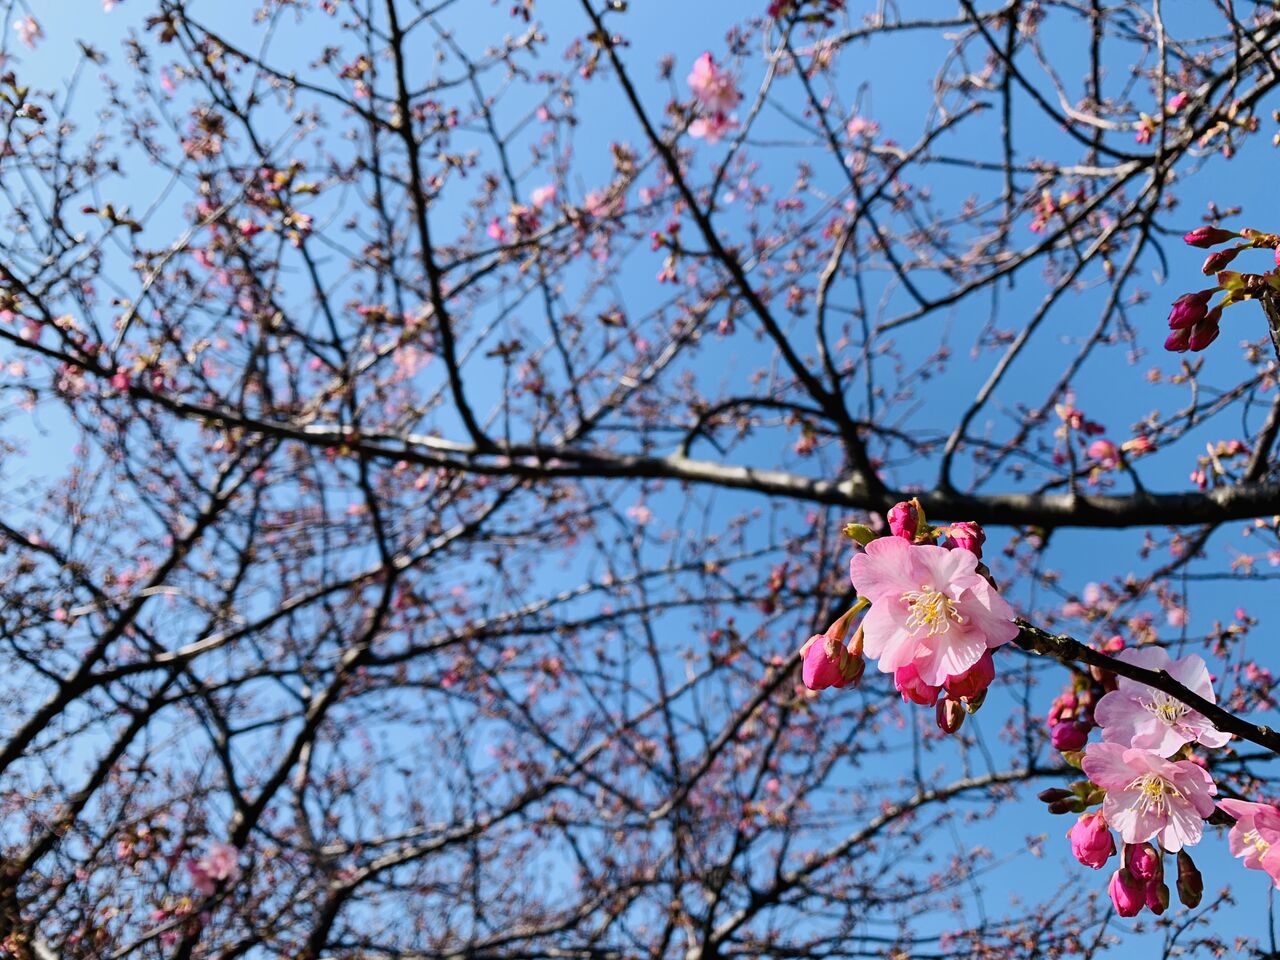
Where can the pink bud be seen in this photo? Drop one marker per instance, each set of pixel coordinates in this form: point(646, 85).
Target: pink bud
point(1157, 897)
point(907, 680)
point(1208, 236)
point(1128, 894)
point(1219, 260)
point(1091, 841)
point(904, 520)
point(827, 663)
point(1188, 309)
point(973, 681)
point(1206, 331)
point(966, 536)
point(1069, 736)
point(1178, 341)
point(1105, 452)
point(1143, 861)
point(949, 715)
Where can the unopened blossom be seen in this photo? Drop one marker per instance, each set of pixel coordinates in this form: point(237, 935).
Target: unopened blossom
point(713, 86)
point(1105, 452)
point(908, 683)
point(1190, 883)
point(29, 31)
point(973, 682)
point(1091, 840)
point(1150, 797)
point(1255, 836)
point(1069, 736)
point(1136, 715)
point(828, 663)
point(966, 536)
point(1208, 236)
point(1143, 861)
point(929, 607)
point(904, 520)
point(1128, 893)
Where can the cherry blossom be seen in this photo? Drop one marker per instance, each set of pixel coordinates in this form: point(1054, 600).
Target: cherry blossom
point(1148, 796)
point(929, 607)
point(1255, 835)
point(713, 87)
point(1136, 715)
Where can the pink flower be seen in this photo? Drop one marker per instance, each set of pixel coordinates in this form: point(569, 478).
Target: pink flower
point(1136, 715)
point(1143, 862)
point(712, 86)
point(908, 683)
point(1128, 893)
point(1151, 797)
point(1105, 452)
point(1091, 841)
point(541, 196)
point(1255, 836)
point(218, 865)
point(929, 607)
point(828, 663)
point(713, 127)
point(29, 31)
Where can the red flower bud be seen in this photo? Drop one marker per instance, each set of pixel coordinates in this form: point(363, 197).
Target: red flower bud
point(1219, 260)
point(949, 714)
point(1208, 236)
point(1189, 308)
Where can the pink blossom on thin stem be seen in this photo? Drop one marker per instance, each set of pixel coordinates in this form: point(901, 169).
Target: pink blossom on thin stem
point(1148, 796)
point(1136, 715)
point(1255, 835)
point(929, 607)
point(713, 86)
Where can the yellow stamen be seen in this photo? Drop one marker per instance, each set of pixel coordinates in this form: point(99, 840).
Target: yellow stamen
point(930, 610)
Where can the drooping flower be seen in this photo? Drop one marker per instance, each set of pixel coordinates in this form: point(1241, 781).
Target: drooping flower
point(1136, 715)
point(1255, 836)
point(713, 86)
point(929, 607)
point(1148, 796)
point(973, 682)
point(1091, 840)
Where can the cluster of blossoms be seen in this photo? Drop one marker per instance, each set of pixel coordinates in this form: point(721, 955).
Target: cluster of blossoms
point(218, 866)
point(1193, 322)
point(935, 616)
point(1150, 784)
point(716, 93)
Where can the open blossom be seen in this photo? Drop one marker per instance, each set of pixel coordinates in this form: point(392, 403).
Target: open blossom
point(1148, 796)
point(214, 868)
point(29, 31)
point(712, 86)
point(1136, 715)
point(929, 607)
point(1255, 836)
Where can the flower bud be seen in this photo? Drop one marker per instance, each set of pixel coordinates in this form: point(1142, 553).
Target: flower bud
point(1091, 841)
point(1219, 260)
point(973, 681)
point(1069, 736)
point(1065, 806)
point(859, 533)
point(1128, 895)
point(949, 715)
point(1188, 309)
point(1206, 331)
point(1053, 794)
point(1142, 860)
point(1178, 341)
point(966, 536)
point(908, 683)
point(904, 519)
point(1190, 883)
point(1157, 897)
point(827, 663)
point(1207, 236)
